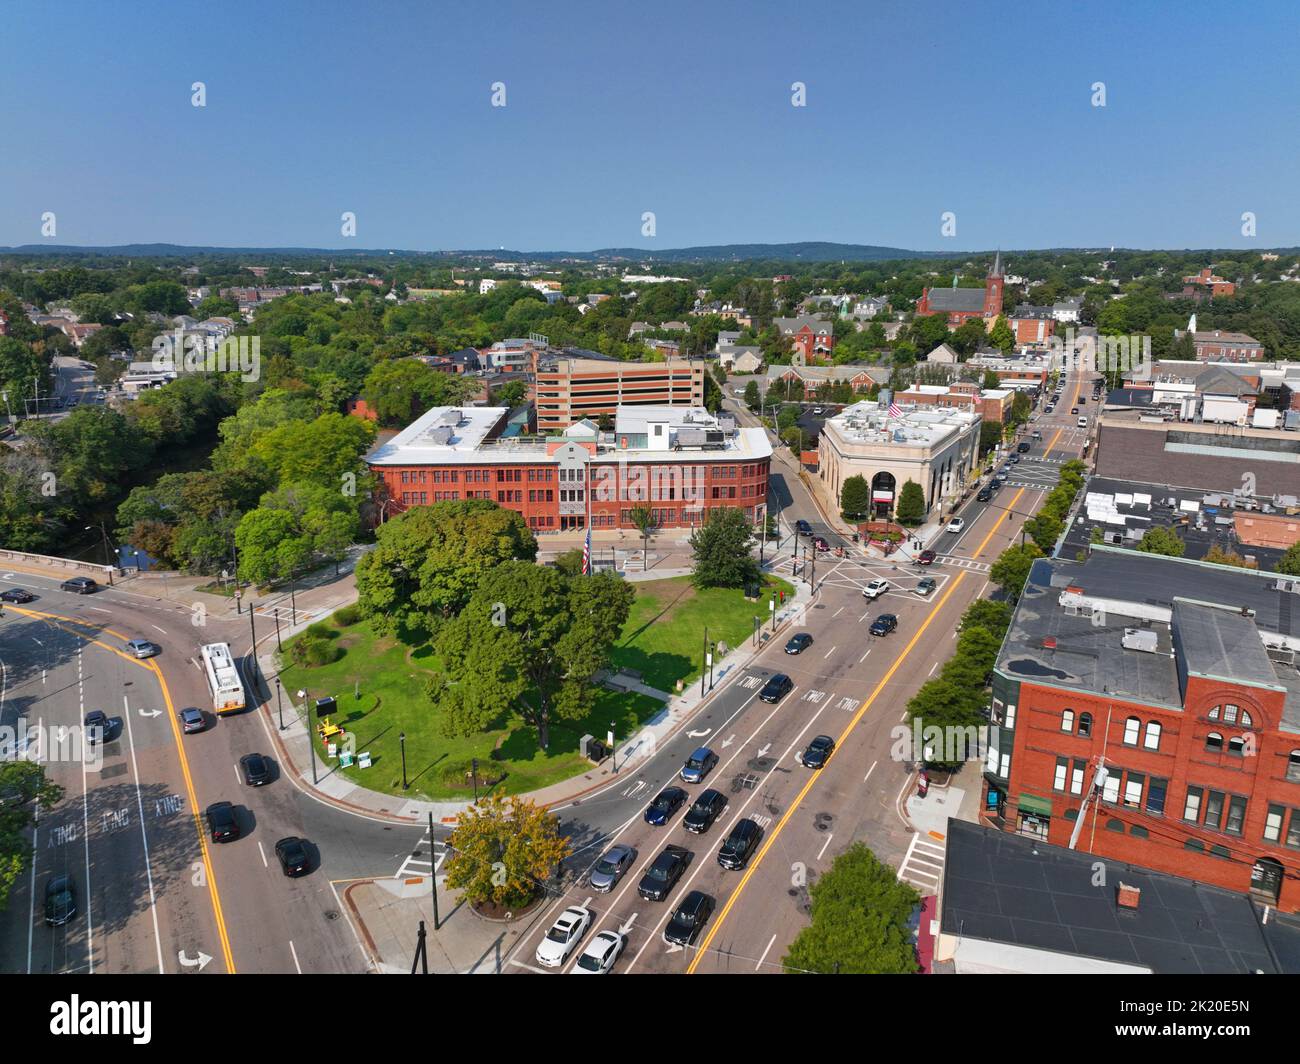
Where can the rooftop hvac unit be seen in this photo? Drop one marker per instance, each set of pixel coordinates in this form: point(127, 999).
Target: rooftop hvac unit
point(441, 435)
point(1138, 639)
point(449, 417)
point(1282, 655)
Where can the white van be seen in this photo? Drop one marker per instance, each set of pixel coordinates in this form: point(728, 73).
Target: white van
point(1083, 422)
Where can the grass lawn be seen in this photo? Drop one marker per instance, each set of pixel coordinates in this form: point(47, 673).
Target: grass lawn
point(392, 701)
point(664, 635)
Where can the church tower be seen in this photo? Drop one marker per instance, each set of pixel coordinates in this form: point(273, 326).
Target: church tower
point(993, 285)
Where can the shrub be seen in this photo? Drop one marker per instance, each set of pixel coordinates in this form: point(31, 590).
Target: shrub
point(347, 616)
point(459, 774)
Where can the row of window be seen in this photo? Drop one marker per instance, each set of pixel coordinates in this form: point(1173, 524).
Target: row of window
point(452, 476)
point(1133, 730)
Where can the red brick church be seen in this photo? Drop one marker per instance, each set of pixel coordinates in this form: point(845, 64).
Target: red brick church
point(962, 304)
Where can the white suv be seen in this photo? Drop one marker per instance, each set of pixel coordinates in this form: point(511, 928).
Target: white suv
point(875, 589)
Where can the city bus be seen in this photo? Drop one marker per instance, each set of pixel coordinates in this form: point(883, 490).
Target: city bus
point(223, 678)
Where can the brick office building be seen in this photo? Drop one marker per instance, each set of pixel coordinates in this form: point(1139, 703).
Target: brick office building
point(569, 388)
point(679, 461)
point(1177, 676)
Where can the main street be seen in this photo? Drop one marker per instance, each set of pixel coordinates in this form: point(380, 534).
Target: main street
point(849, 685)
point(155, 894)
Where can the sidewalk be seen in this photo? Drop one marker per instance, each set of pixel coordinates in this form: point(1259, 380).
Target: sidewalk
point(297, 751)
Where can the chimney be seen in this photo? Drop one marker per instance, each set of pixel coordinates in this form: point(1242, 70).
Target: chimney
point(1128, 897)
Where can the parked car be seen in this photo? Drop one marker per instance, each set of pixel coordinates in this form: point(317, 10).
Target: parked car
point(798, 643)
point(779, 684)
point(739, 844)
point(875, 589)
point(611, 868)
point(689, 919)
point(142, 648)
point(601, 953)
point(707, 808)
point(884, 624)
point(666, 803)
point(1050, 408)
point(1023, 446)
point(699, 765)
point(926, 557)
point(1014, 459)
point(662, 876)
point(18, 595)
point(925, 586)
point(817, 410)
point(256, 769)
point(79, 585)
point(564, 936)
point(1036, 435)
point(957, 524)
point(292, 854)
point(802, 528)
point(222, 822)
point(97, 726)
point(192, 721)
point(818, 752)
point(60, 900)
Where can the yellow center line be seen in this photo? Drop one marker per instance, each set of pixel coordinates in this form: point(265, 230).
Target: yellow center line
point(812, 779)
point(152, 666)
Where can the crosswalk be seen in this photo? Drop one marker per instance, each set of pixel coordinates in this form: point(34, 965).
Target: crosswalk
point(418, 862)
point(965, 563)
point(923, 863)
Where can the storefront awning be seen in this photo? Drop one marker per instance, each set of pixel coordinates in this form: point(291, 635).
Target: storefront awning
point(1031, 803)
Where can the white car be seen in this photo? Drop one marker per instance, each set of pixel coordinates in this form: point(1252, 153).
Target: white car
point(875, 589)
point(956, 525)
point(599, 956)
point(563, 937)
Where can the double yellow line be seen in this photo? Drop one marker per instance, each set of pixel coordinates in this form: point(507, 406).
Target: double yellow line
point(848, 730)
point(152, 666)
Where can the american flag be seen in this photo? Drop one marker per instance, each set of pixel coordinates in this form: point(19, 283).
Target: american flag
point(895, 410)
point(586, 555)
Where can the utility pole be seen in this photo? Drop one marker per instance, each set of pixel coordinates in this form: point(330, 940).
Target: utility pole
point(421, 957)
point(1098, 782)
point(704, 663)
point(433, 872)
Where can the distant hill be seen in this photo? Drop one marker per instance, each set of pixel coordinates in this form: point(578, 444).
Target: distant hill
point(807, 251)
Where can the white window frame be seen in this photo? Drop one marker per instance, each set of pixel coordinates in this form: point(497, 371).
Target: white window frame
point(1151, 737)
point(1132, 731)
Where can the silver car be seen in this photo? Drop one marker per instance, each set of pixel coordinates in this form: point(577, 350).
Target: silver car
point(142, 648)
point(611, 867)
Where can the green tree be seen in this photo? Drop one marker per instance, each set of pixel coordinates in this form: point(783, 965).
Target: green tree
point(1160, 540)
point(1011, 569)
point(428, 561)
point(855, 498)
point(752, 396)
point(911, 505)
point(1001, 336)
point(270, 548)
point(23, 788)
point(860, 920)
point(1289, 563)
point(643, 517)
point(530, 639)
point(503, 850)
point(722, 550)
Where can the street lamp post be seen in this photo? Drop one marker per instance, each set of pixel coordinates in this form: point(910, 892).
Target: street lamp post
point(311, 749)
point(279, 706)
point(474, 776)
point(704, 664)
point(433, 874)
point(712, 648)
point(401, 738)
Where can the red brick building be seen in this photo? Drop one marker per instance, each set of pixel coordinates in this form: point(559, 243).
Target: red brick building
point(961, 305)
point(680, 461)
point(1032, 325)
point(1207, 282)
point(812, 338)
point(1167, 690)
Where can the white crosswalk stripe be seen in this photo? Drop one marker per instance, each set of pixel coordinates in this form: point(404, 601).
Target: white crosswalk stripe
point(923, 863)
point(417, 862)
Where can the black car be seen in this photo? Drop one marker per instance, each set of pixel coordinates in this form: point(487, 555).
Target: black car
point(884, 624)
point(663, 875)
point(1023, 447)
point(780, 684)
point(707, 808)
point(798, 643)
point(18, 595)
point(97, 726)
point(802, 528)
point(293, 856)
point(818, 752)
point(691, 915)
point(739, 844)
point(984, 494)
point(79, 585)
point(222, 822)
point(60, 900)
point(256, 768)
point(666, 803)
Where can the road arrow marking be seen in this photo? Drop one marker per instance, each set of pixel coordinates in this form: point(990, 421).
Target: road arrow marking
point(763, 752)
point(627, 927)
point(698, 734)
point(673, 947)
point(728, 741)
point(202, 961)
point(150, 712)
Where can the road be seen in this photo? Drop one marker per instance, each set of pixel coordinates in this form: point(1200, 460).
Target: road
point(848, 685)
point(155, 893)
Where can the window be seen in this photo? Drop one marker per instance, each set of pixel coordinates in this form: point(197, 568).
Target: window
point(1221, 852)
point(1214, 810)
point(1114, 825)
point(1156, 791)
point(1076, 777)
point(1139, 832)
point(1293, 829)
point(1195, 845)
point(1236, 815)
point(1058, 780)
point(1067, 721)
point(1293, 766)
point(1192, 807)
point(1229, 714)
point(1214, 713)
point(1245, 719)
point(1131, 728)
point(1085, 724)
point(1273, 823)
point(1110, 789)
point(1011, 715)
point(1133, 788)
point(1214, 742)
point(1237, 746)
point(1151, 740)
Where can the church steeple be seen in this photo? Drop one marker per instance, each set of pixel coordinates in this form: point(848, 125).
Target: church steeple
point(993, 288)
point(996, 271)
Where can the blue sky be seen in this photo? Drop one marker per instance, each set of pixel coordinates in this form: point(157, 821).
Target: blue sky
point(683, 109)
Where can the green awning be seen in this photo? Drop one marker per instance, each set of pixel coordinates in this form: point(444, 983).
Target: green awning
point(1031, 803)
